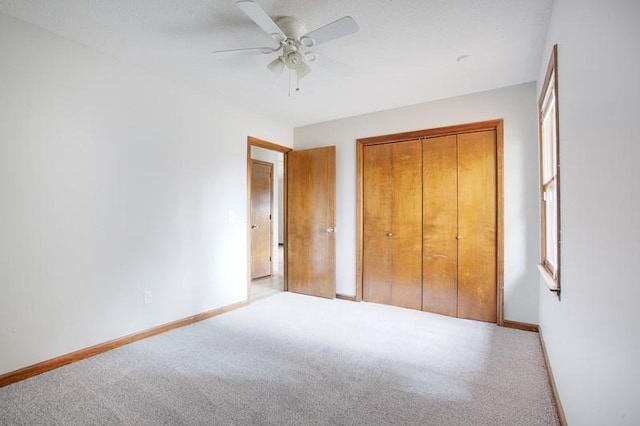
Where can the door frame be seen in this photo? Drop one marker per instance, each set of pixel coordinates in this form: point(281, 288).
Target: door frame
point(260, 143)
point(496, 125)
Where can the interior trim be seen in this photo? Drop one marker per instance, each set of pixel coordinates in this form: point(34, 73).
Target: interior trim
point(552, 382)
point(548, 279)
point(520, 326)
point(51, 364)
point(431, 133)
point(267, 145)
point(345, 297)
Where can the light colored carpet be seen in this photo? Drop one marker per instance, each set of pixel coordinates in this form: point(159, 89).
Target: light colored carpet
point(297, 360)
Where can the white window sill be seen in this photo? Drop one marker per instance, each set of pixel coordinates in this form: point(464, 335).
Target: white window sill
point(548, 279)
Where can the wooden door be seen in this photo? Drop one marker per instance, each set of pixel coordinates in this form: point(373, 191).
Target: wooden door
point(477, 226)
point(311, 183)
point(392, 224)
point(261, 213)
point(440, 225)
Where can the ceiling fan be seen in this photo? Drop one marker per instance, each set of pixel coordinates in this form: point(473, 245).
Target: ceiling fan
point(294, 42)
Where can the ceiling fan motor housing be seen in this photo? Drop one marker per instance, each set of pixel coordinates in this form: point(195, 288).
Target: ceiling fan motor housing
point(292, 27)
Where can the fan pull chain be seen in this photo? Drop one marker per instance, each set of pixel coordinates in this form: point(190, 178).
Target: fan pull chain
point(297, 77)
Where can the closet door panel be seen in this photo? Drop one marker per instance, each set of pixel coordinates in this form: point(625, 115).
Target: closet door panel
point(477, 226)
point(378, 208)
point(440, 226)
point(406, 224)
point(392, 224)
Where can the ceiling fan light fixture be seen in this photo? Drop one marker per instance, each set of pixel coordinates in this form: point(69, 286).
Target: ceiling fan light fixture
point(302, 70)
point(294, 59)
point(276, 66)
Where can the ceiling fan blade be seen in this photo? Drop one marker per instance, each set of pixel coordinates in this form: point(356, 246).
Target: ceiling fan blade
point(264, 50)
point(336, 29)
point(260, 17)
point(276, 66)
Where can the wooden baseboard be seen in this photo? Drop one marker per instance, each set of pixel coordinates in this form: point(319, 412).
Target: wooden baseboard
point(345, 297)
point(42, 367)
point(520, 325)
point(552, 382)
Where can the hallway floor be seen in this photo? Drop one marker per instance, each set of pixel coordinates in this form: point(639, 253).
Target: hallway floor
point(272, 284)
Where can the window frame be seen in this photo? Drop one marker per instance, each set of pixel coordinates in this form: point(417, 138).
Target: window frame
point(550, 174)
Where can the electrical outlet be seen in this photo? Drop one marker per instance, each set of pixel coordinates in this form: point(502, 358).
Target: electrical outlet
point(148, 297)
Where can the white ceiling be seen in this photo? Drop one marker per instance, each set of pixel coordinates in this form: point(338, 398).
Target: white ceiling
point(405, 52)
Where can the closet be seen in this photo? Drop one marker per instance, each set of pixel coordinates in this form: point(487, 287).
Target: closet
point(430, 221)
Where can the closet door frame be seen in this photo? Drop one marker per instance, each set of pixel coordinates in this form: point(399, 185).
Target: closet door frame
point(496, 125)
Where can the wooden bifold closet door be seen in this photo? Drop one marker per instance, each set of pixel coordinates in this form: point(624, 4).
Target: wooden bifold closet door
point(459, 225)
point(392, 253)
point(429, 224)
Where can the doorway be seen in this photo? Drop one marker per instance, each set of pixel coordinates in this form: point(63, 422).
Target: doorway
point(265, 167)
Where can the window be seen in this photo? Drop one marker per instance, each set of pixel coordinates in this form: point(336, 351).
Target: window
point(549, 176)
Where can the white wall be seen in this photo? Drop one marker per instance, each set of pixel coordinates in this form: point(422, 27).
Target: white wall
point(516, 105)
point(591, 334)
point(112, 182)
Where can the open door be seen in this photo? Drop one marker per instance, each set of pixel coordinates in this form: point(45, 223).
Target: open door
point(311, 195)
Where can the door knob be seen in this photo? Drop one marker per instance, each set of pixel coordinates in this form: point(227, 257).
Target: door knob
point(389, 234)
point(458, 237)
point(330, 229)
point(254, 226)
